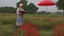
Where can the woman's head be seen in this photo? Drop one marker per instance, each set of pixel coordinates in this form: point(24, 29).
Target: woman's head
point(20, 5)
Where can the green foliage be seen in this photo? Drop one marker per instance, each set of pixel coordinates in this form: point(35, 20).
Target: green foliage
point(24, 3)
point(7, 9)
point(43, 12)
point(60, 4)
point(31, 8)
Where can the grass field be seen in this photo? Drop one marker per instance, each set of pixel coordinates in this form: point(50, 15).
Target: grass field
point(45, 22)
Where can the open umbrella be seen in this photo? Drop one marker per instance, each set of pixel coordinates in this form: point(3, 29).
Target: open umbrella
point(46, 3)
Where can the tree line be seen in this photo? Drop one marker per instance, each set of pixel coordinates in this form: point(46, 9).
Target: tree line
point(7, 9)
point(30, 8)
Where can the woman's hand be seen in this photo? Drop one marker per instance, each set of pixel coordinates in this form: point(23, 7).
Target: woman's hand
point(21, 14)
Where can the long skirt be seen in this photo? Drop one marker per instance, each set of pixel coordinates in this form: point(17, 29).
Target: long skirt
point(19, 20)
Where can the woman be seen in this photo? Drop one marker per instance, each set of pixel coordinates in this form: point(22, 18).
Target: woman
point(20, 17)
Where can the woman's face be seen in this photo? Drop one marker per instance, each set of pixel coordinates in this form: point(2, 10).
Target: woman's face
point(21, 6)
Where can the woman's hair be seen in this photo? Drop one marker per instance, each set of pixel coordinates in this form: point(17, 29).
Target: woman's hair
point(20, 4)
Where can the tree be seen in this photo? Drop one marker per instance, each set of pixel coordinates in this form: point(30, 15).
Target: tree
point(31, 8)
point(60, 4)
point(24, 2)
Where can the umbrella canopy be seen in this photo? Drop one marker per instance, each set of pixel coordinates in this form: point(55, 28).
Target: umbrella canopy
point(46, 3)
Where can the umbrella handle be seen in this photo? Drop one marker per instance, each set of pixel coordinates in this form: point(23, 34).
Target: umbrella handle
point(46, 9)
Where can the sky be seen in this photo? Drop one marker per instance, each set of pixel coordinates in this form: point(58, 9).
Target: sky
point(41, 8)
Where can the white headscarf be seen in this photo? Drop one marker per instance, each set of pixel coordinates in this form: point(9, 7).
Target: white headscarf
point(20, 4)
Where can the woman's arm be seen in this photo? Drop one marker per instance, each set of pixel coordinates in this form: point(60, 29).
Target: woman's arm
point(18, 12)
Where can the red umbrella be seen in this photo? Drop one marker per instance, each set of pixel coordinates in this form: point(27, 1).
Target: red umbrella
point(46, 3)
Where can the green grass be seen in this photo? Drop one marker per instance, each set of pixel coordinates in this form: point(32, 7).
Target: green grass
point(7, 23)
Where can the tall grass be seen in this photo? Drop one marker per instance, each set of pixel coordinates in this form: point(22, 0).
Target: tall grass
point(7, 22)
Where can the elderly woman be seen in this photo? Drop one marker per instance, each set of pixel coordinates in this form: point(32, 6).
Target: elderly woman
point(20, 17)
